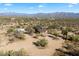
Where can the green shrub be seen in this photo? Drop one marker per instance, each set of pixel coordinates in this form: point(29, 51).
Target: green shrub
point(11, 39)
point(54, 26)
point(29, 30)
point(64, 31)
point(73, 38)
point(18, 26)
point(2, 53)
point(68, 49)
point(20, 52)
point(19, 35)
point(53, 32)
point(56, 34)
point(50, 31)
point(38, 28)
point(41, 43)
point(10, 30)
point(70, 37)
point(76, 38)
point(70, 29)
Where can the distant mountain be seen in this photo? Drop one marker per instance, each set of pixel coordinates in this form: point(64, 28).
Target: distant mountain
point(56, 15)
point(12, 14)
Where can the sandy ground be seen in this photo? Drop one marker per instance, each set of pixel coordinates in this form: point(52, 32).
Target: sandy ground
point(27, 44)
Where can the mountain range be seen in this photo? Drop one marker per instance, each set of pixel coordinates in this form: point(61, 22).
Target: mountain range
point(44, 15)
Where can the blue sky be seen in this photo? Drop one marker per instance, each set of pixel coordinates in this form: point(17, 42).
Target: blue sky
point(31, 8)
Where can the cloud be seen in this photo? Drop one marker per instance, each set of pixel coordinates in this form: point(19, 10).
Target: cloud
point(8, 4)
point(40, 6)
point(72, 4)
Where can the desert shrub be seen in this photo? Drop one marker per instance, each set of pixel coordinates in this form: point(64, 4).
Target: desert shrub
point(29, 30)
point(20, 52)
point(50, 31)
point(18, 26)
point(54, 26)
point(19, 35)
point(76, 38)
point(2, 53)
point(70, 37)
point(56, 34)
point(64, 31)
point(41, 43)
point(11, 39)
point(70, 29)
point(53, 32)
point(16, 33)
point(10, 30)
point(61, 27)
point(68, 49)
point(73, 38)
point(38, 28)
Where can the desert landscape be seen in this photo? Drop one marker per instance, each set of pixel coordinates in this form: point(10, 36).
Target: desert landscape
point(10, 42)
point(39, 34)
point(34, 37)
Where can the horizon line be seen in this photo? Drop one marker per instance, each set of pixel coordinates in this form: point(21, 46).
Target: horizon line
point(39, 12)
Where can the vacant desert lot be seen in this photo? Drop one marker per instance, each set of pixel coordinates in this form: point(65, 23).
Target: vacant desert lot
point(28, 45)
point(38, 37)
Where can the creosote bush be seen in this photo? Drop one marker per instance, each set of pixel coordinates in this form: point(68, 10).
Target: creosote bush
point(56, 34)
point(64, 31)
point(70, 37)
point(68, 49)
point(19, 35)
point(73, 38)
point(29, 30)
point(76, 38)
point(20, 52)
point(70, 29)
point(38, 29)
point(54, 26)
point(10, 30)
point(41, 43)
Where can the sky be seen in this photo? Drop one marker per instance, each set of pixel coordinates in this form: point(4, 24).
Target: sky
point(32, 8)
